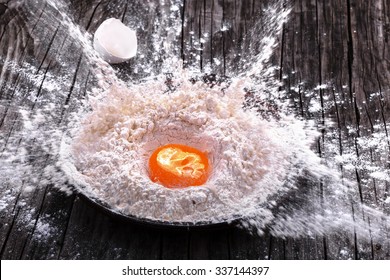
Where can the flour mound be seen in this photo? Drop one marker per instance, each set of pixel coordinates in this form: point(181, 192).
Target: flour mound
point(250, 157)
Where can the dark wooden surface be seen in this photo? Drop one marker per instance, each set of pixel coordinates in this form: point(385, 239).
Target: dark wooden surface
point(342, 42)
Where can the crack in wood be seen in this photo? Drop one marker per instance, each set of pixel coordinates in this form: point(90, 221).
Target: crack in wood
point(339, 58)
point(8, 234)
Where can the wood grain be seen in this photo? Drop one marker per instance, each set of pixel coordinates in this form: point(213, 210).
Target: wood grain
point(343, 44)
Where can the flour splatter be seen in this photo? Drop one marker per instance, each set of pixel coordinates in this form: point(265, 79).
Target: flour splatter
point(267, 171)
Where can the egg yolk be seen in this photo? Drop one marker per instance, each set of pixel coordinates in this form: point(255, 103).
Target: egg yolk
point(178, 166)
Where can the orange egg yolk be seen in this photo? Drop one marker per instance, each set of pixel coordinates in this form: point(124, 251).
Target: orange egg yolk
point(178, 166)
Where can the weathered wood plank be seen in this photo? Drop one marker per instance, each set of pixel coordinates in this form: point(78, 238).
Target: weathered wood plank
point(175, 245)
point(49, 227)
point(211, 245)
point(93, 235)
point(246, 245)
point(343, 44)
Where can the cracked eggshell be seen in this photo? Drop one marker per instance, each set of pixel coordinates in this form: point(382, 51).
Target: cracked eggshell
point(114, 41)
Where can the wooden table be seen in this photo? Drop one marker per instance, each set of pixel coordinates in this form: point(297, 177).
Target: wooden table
point(342, 44)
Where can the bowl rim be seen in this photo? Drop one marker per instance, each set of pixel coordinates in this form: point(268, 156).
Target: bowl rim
point(157, 224)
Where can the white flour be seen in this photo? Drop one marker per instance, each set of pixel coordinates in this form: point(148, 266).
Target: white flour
point(264, 171)
point(250, 157)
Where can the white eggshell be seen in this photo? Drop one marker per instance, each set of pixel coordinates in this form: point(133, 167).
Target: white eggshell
point(114, 41)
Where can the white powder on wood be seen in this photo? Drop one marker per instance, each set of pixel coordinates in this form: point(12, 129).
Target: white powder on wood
point(250, 156)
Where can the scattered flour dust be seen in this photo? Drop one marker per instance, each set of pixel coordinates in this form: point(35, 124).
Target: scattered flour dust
point(257, 162)
point(106, 155)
